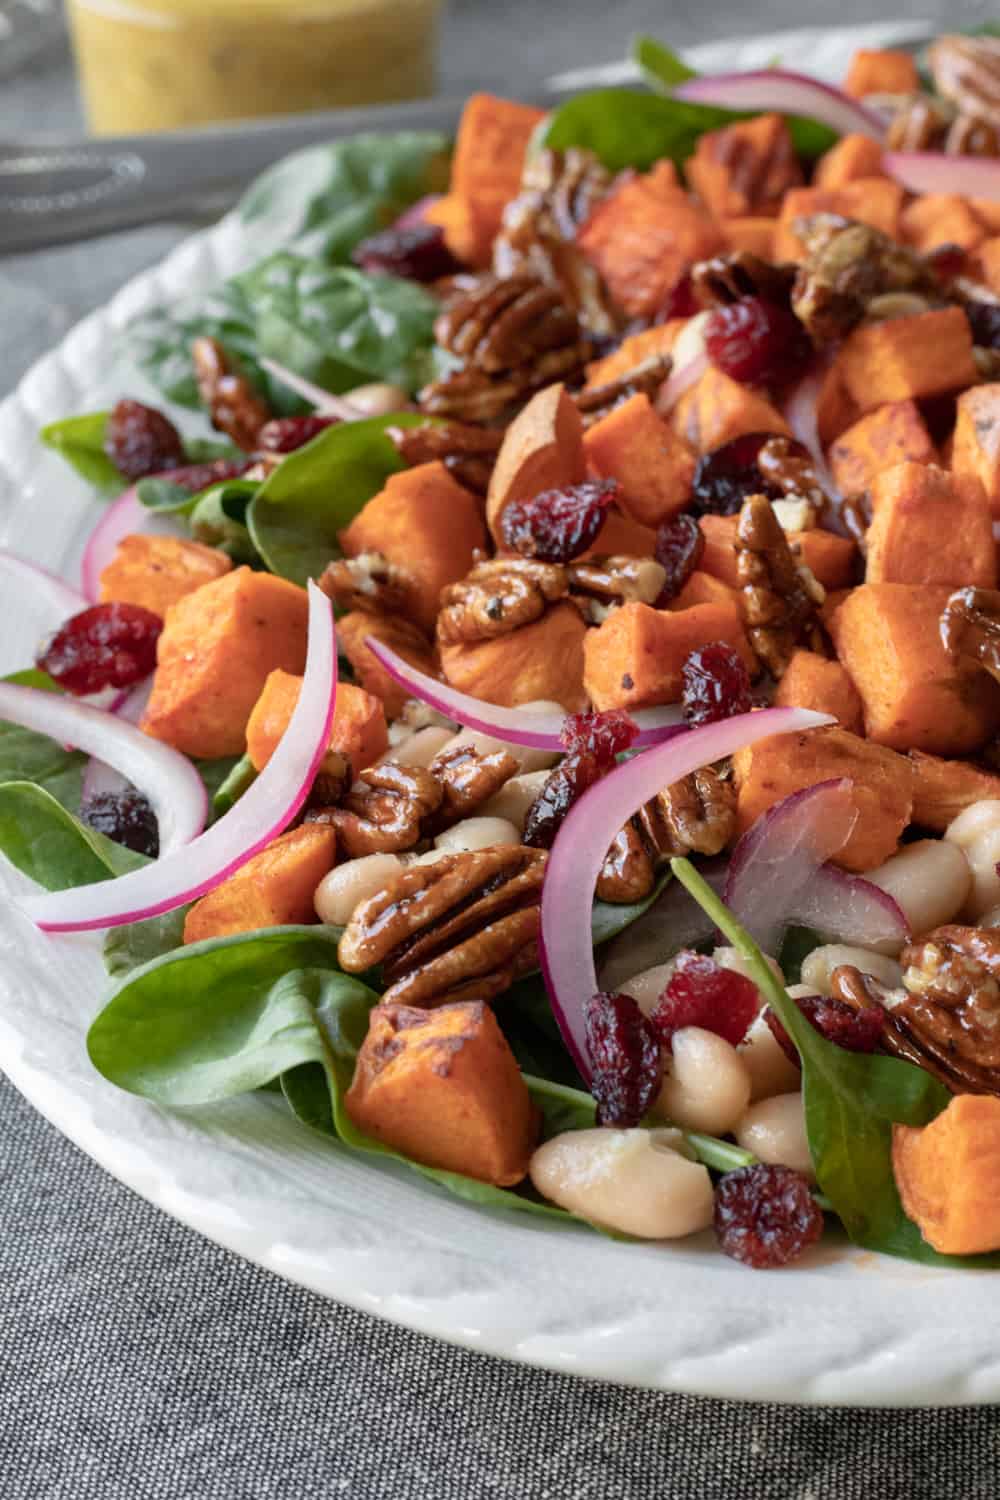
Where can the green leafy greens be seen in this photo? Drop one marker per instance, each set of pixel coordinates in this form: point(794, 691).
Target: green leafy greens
point(48, 843)
point(80, 441)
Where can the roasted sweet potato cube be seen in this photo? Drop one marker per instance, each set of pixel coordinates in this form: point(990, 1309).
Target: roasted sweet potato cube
point(442, 1087)
point(755, 236)
point(948, 1175)
point(540, 660)
point(452, 214)
point(886, 436)
point(829, 558)
point(156, 571)
point(976, 450)
point(704, 588)
point(944, 788)
point(622, 536)
point(654, 466)
point(914, 696)
point(358, 731)
point(493, 136)
point(940, 219)
point(425, 523)
point(881, 786)
point(744, 168)
point(217, 647)
point(719, 555)
point(635, 659)
point(273, 889)
point(542, 449)
point(901, 359)
point(633, 350)
point(881, 71)
point(644, 236)
point(871, 200)
point(929, 526)
point(717, 409)
point(852, 157)
point(987, 211)
point(810, 681)
point(835, 410)
point(405, 639)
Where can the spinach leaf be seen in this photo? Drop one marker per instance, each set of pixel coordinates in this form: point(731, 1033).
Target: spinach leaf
point(46, 842)
point(228, 792)
point(660, 67)
point(160, 343)
point(135, 943)
point(608, 919)
point(33, 677)
point(27, 756)
point(80, 441)
point(165, 496)
point(218, 518)
point(796, 947)
point(324, 200)
point(215, 773)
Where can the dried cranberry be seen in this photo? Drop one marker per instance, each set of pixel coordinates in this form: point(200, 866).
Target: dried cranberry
point(139, 440)
point(854, 1030)
point(703, 993)
point(946, 260)
point(766, 1216)
point(197, 477)
point(678, 548)
point(756, 342)
point(561, 788)
point(558, 525)
point(108, 645)
point(680, 302)
point(604, 735)
point(285, 434)
point(716, 684)
point(725, 477)
point(625, 1056)
point(126, 817)
point(984, 320)
point(417, 252)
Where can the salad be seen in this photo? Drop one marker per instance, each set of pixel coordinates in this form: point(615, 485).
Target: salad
point(550, 731)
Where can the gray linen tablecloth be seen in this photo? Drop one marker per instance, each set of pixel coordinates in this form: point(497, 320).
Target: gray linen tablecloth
point(140, 1362)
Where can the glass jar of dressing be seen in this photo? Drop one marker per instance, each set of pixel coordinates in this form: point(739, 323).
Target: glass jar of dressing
point(167, 64)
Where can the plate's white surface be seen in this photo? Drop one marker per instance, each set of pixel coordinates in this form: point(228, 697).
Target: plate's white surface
point(846, 1327)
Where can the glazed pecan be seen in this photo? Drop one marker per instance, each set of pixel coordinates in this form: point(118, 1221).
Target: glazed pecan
point(461, 928)
point(468, 778)
point(966, 70)
point(919, 123)
point(467, 452)
point(646, 379)
point(728, 278)
point(599, 584)
point(780, 597)
point(788, 466)
point(498, 596)
point(970, 628)
point(848, 265)
point(951, 1012)
point(385, 813)
point(369, 581)
point(696, 815)
point(234, 406)
point(629, 870)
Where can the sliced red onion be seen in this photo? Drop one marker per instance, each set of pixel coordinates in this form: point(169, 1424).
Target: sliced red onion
point(846, 908)
point(59, 599)
point(124, 517)
point(324, 401)
point(166, 778)
point(518, 726)
point(679, 381)
point(802, 417)
point(786, 94)
point(256, 819)
point(934, 172)
point(98, 776)
point(583, 841)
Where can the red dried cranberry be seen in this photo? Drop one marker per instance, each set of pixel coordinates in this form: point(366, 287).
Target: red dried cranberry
point(756, 342)
point(285, 434)
point(678, 548)
point(139, 440)
point(984, 320)
point(604, 735)
point(561, 788)
point(854, 1030)
point(625, 1056)
point(197, 477)
point(558, 525)
point(766, 1216)
point(417, 252)
point(126, 817)
point(703, 993)
point(946, 260)
point(716, 684)
point(725, 477)
point(108, 645)
point(680, 302)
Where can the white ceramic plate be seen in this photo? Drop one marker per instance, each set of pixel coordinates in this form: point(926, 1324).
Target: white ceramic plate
point(846, 1327)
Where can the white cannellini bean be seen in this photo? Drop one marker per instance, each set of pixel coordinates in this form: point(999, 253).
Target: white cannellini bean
point(378, 399)
point(819, 965)
point(634, 1181)
point(976, 831)
point(929, 881)
point(706, 1083)
point(647, 987)
point(348, 884)
point(775, 1131)
point(527, 759)
point(771, 1070)
point(477, 833)
point(418, 749)
point(515, 797)
point(730, 958)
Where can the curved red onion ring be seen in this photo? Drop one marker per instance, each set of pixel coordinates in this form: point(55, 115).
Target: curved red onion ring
point(583, 841)
point(787, 94)
point(167, 779)
point(802, 417)
point(258, 817)
point(679, 381)
point(518, 726)
point(98, 776)
point(846, 908)
point(934, 172)
point(324, 401)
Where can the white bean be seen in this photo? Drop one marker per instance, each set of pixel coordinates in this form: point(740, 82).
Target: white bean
point(775, 1131)
point(340, 892)
point(634, 1181)
point(378, 399)
point(818, 966)
point(418, 749)
point(771, 1070)
point(730, 958)
point(647, 987)
point(477, 833)
point(527, 759)
point(706, 1084)
point(929, 881)
point(515, 797)
point(976, 830)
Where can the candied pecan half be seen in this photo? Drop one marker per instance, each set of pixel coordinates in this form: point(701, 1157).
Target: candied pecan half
point(696, 815)
point(969, 135)
point(234, 406)
point(468, 778)
point(970, 628)
point(847, 265)
point(498, 596)
point(728, 278)
point(780, 598)
point(369, 581)
point(645, 379)
point(385, 813)
point(599, 584)
point(919, 123)
point(966, 70)
point(951, 1010)
point(468, 452)
point(463, 927)
point(790, 468)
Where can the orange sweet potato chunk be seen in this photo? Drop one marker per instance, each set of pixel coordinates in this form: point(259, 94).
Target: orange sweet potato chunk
point(717, 409)
point(948, 1175)
point(493, 136)
point(940, 219)
point(944, 788)
point(744, 168)
point(273, 889)
point(653, 465)
point(358, 730)
point(886, 436)
point(540, 660)
point(881, 71)
point(830, 558)
point(622, 536)
point(703, 588)
point(644, 236)
point(442, 1087)
point(213, 657)
point(405, 639)
point(452, 214)
point(976, 450)
point(752, 235)
point(810, 681)
point(659, 339)
point(914, 696)
point(871, 200)
point(881, 790)
point(853, 156)
point(908, 358)
point(634, 659)
point(929, 526)
point(156, 571)
point(425, 523)
point(542, 449)
point(835, 410)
